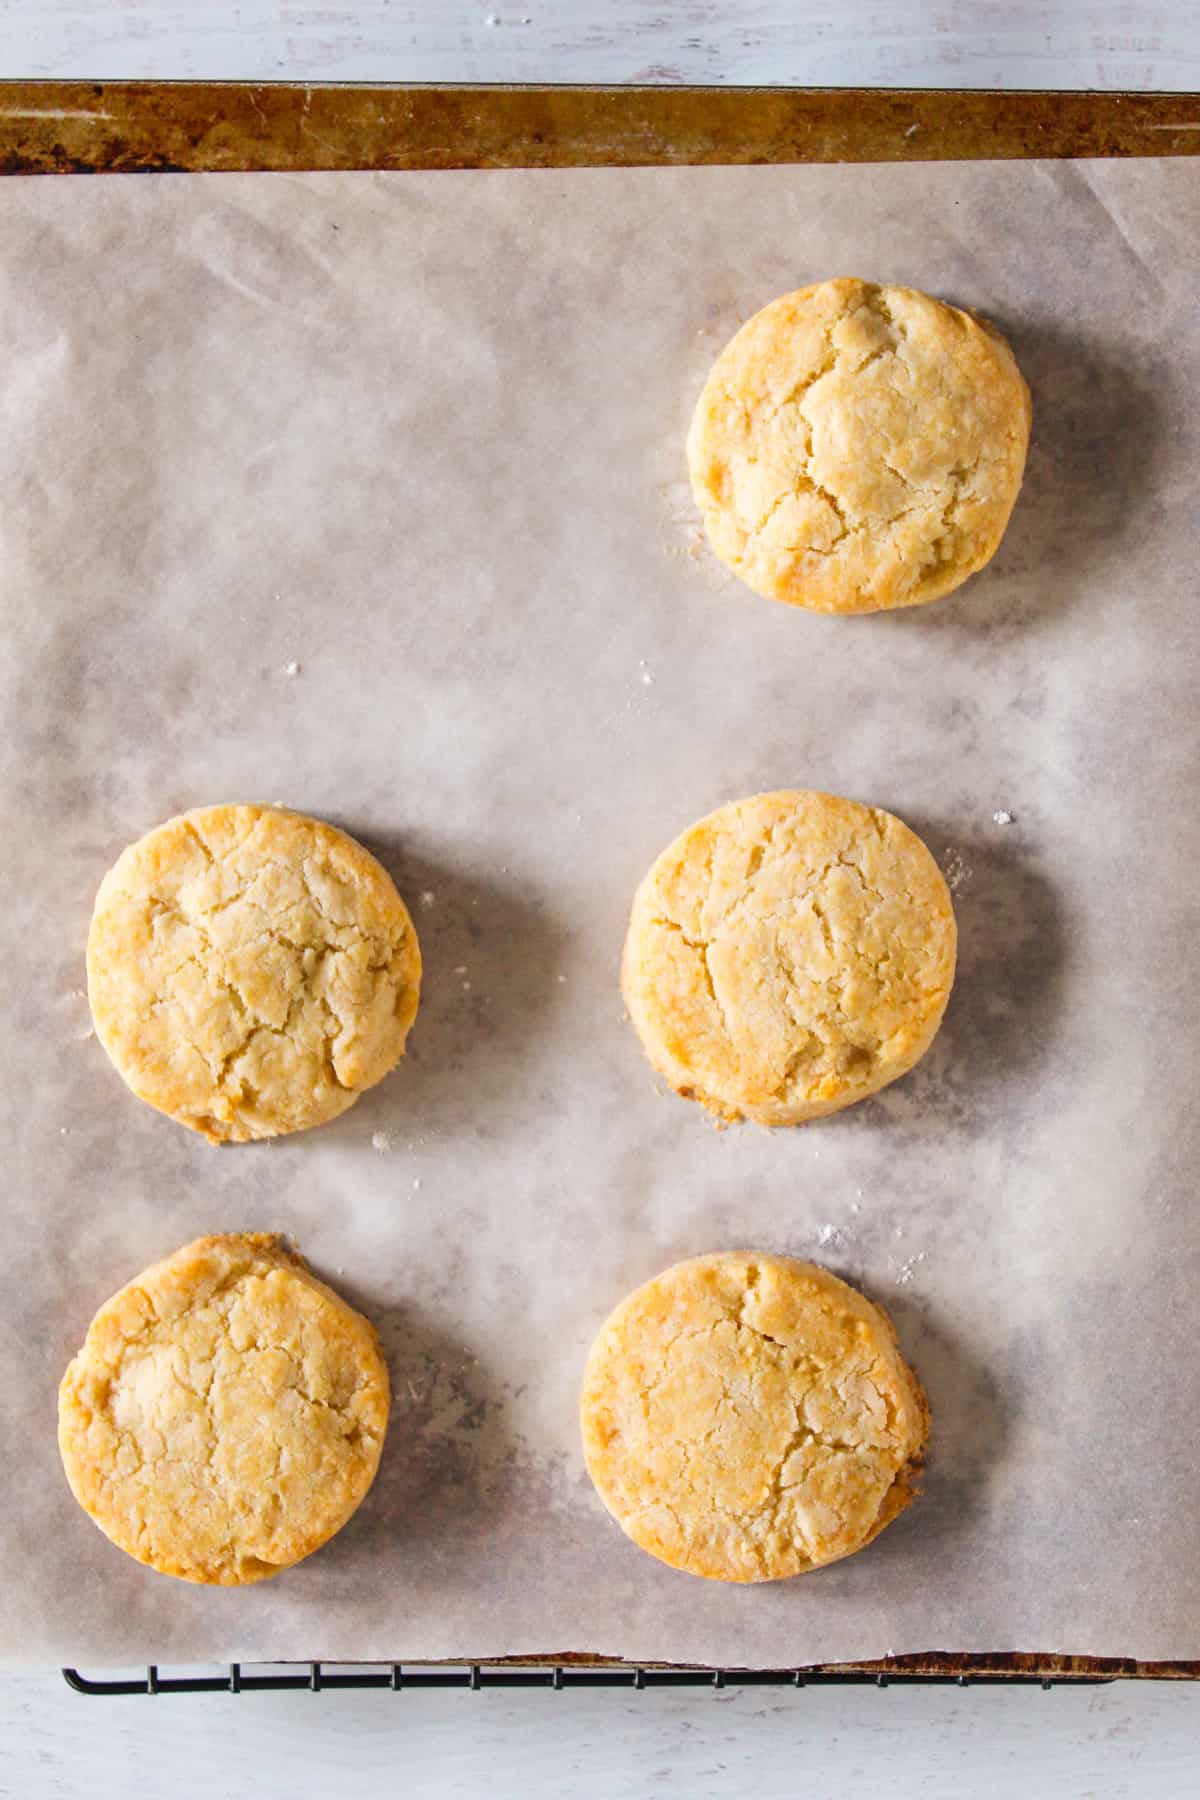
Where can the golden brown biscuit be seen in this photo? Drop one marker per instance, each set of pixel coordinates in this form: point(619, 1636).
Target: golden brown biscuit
point(750, 1417)
point(789, 955)
point(859, 447)
point(226, 1413)
point(251, 971)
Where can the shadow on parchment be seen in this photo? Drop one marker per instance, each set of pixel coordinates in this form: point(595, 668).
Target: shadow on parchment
point(1009, 989)
point(491, 954)
point(968, 1443)
point(904, 1568)
point(450, 1469)
point(1093, 460)
point(1001, 1023)
point(453, 1451)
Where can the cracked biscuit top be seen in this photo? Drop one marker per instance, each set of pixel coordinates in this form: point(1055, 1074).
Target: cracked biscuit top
point(859, 447)
point(789, 955)
point(750, 1417)
point(226, 1413)
point(251, 971)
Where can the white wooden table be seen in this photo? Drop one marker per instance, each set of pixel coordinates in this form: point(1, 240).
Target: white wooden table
point(824, 1744)
point(1121, 1740)
point(1144, 44)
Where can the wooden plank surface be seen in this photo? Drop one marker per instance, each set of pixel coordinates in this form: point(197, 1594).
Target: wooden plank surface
point(75, 127)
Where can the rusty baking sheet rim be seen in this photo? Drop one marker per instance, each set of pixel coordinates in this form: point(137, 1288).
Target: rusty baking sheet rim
point(86, 127)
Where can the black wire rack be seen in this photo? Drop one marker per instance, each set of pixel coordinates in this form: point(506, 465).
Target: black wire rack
point(317, 1677)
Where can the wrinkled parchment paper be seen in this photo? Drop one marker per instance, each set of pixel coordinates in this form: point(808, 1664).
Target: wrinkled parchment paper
point(366, 494)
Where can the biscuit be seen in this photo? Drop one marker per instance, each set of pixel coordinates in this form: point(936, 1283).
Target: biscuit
point(789, 955)
point(858, 447)
point(251, 971)
point(226, 1413)
point(747, 1418)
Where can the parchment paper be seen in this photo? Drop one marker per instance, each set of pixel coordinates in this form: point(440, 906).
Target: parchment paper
point(366, 494)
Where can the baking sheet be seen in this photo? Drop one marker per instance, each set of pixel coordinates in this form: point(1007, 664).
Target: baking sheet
point(366, 494)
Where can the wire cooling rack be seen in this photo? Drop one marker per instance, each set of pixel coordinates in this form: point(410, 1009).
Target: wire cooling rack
point(928, 1671)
